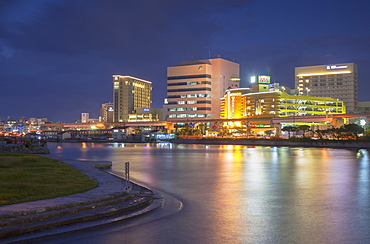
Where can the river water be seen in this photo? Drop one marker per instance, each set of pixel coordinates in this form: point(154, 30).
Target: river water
point(239, 194)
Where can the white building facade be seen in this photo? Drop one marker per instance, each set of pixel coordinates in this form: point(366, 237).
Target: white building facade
point(194, 88)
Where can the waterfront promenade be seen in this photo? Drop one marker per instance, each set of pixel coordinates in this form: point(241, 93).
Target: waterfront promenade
point(110, 201)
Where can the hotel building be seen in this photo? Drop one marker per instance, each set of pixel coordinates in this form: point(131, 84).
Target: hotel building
point(336, 81)
point(129, 94)
point(194, 88)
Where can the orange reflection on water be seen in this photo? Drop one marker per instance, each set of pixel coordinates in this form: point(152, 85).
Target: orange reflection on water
point(229, 183)
point(83, 145)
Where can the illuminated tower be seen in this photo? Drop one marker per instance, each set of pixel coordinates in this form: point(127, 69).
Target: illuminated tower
point(129, 94)
point(336, 81)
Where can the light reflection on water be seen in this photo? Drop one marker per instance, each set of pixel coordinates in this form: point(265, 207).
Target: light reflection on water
point(241, 194)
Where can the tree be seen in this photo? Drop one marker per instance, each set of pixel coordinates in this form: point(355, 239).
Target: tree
point(337, 132)
point(320, 133)
point(367, 130)
point(304, 128)
point(202, 127)
point(354, 129)
point(269, 132)
point(289, 129)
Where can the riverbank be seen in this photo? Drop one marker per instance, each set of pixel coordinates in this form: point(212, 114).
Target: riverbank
point(112, 200)
point(23, 148)
point(279, 142)
point(49, 178)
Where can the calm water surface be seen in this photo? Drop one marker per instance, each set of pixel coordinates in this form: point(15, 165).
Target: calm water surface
point(239, 194)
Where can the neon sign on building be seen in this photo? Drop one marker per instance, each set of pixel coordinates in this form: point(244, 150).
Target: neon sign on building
point(264, 79)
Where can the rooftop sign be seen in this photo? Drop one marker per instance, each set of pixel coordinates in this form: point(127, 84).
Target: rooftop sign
point(264, 79)
point(337, 67)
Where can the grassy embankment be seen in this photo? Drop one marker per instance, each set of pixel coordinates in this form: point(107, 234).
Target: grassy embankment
point(25, 178)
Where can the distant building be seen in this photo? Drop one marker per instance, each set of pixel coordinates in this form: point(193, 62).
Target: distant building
point(106, 112)
point(337, 81)
point(123, 133)
point(261, 83)
point(130, 94)
point(363, 107)
point(85, 117)
point(35, 123)
point(194, 88)
point(146, 114)
point(38, 121)
point(278, 87)
point(16, 126)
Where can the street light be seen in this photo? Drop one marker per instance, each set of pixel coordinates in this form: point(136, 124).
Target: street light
point(326, 118)
point(362, 122)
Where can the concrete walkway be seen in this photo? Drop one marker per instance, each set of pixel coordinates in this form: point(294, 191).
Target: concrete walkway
point(108, 202)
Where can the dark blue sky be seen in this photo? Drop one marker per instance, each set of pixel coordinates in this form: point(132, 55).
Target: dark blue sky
point(57, 57)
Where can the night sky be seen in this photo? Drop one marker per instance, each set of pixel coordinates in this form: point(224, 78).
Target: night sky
point(57, 57)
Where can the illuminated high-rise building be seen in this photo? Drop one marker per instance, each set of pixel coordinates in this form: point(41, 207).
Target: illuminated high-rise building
point(336, 81)
point(129, 94)
point(194, 88)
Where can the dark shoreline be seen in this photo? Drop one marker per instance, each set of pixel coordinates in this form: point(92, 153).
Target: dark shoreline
point(279, 143)
point(325, 143)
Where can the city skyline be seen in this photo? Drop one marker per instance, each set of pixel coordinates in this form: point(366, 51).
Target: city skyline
point(58, 57)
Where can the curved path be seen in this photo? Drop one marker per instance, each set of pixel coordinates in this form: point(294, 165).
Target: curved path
point(110, 202)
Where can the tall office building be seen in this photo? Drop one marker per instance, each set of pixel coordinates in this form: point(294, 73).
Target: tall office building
point(336, 81)
point(129, 94)
point(106, 112)
point(194, 88)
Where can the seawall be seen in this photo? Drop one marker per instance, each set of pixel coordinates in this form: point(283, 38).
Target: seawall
point(21, 148)
point(278, 143)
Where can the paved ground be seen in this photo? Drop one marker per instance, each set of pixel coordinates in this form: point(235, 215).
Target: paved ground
point(110, 201)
